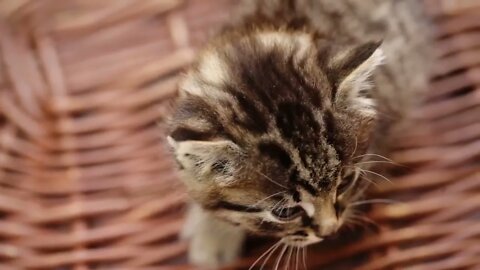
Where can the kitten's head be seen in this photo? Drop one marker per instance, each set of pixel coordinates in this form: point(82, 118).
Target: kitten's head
point(268, 128)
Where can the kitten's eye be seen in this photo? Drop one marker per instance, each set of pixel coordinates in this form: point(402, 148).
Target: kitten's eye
point(288, 213)
point(345, 184)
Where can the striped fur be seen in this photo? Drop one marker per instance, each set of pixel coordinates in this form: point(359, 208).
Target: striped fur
point(283, 99)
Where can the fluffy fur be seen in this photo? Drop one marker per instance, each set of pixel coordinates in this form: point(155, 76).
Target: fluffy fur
point(273, 116)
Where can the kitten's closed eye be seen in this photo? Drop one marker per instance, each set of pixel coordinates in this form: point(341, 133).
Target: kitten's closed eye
point(288, 213)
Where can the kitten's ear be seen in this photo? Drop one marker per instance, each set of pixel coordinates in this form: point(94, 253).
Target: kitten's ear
point(352, 72)
point(212, 160)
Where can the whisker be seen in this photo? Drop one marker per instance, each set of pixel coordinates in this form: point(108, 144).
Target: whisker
point(279, 203)
point(374, 155)
point(290, 251)
point(266, 198)
point(374, 173)
point(380, 161)
point(355, 149)
point(369, 220)
point(377, 174)
point(364, 220)
point(355, 221)
point(362, 189)
point(297, 253)
point(304, 255)
point(363, 177)
point(264, 253)
point(354, 218)
point(372, 201)
point(273, 207)
point(271, 180)
point(265, 261)
point(356, 212)
point(280, 256)
point(347, 224)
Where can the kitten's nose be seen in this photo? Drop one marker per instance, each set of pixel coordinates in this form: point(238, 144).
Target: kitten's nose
point(328, 226)
point(326, 218)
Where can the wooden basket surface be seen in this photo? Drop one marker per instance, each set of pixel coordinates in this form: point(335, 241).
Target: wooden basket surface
point(85, 181)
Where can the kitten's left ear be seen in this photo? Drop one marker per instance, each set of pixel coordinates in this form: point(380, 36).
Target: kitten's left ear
point(352, 73)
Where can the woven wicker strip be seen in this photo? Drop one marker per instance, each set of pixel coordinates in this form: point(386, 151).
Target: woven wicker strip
point(85, 181)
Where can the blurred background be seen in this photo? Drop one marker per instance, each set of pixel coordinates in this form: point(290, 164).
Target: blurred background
point(85, 179)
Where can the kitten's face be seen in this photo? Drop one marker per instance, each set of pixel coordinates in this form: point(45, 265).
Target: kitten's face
point(267, 129)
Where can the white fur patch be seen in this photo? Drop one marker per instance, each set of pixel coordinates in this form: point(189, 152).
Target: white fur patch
point(301, 241)
point(286, 41)
point(308, 207)
point(211, 69)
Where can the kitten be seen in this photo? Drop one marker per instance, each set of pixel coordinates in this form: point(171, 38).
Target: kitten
point(278, 110)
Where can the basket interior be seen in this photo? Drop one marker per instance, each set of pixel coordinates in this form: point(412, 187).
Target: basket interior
point(85, 178)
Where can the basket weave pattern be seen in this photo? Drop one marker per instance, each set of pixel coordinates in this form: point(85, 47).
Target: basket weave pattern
point(85, 182)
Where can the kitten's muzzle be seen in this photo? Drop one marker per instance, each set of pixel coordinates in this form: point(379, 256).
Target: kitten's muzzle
point(301, 241)
point(325, 220)
point(328, 227)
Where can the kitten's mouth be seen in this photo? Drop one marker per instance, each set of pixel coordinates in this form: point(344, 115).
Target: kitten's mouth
point(301, 241)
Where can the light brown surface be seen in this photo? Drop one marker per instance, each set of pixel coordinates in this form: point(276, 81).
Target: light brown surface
point(84, 178)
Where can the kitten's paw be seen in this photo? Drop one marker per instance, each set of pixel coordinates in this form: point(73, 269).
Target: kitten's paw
point(213, 250)
point(213, 243)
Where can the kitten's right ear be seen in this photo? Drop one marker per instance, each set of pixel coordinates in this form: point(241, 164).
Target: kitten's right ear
point(208, 160)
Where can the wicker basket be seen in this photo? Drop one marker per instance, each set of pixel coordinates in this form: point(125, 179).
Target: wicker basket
point(84, 178)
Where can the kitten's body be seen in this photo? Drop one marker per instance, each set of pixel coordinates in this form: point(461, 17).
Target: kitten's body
point(277, 108)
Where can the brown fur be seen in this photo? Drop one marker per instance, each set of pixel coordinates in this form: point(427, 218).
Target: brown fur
point(278, 107)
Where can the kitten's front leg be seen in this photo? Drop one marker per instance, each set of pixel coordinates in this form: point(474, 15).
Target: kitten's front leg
point(213, 242)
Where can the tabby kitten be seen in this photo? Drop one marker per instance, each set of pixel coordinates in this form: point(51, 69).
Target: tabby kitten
point(276, 115)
